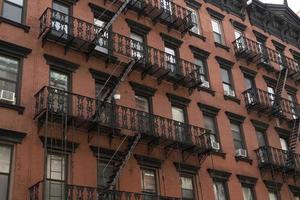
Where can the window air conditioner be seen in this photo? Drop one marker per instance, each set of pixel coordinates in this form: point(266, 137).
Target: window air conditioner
point(229, 93)
point(7, 96)
point(241, 153)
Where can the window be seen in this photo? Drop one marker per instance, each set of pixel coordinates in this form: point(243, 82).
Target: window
point(9, 75)
point(137, 45)
point(187, 187)
point(202, 71)
point(149, 183)
point(217, 31)
point(5, 170)
point(227, 82)
point(60, 19)
point(249, 82)
point(101, 92)
point(142, 103)
point(144, 119)
point(273, 195)
point(220, 190)
point(104, 172)
point(170, 57)
point(56, 176)
point(271, 93)
point(13, 10)
point(237, 136)
point(102, 44)
point(210, 124)
point(195, 21)
point(238, 33)
point(60, 81)
point(178, 115)
point(248, 193)
point(292, 104)
point(284, 144)
point(261, 138)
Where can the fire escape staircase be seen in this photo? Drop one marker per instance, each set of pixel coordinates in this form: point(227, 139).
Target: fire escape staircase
point(281, 81)
point(132, 143)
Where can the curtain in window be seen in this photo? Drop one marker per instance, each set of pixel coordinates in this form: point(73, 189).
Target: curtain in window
point(247, 193)
point(219, 190)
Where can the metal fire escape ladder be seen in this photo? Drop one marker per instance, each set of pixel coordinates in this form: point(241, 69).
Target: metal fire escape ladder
point(281, 81)
point(116, 173)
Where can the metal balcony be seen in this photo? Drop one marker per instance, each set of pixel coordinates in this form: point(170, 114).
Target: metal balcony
point(164, 11)
point(79, 35)
point(272, 60)
point(269, 104)
point(270, 158)
point(84, 113)
point(71, 192)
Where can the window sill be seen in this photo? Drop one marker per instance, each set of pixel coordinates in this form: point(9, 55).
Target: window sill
point(222, 46)
point(208, 90)
point(20, 109)
point(234, 99)
point(242, 159)
point(219, 153)
point(201, 37)
point(16, 24)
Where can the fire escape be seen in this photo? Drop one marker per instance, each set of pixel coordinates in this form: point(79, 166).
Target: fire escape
point(273, 105)
point(59, 111)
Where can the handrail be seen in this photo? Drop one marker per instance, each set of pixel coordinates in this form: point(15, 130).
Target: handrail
point(59, 102)
point(243, 43)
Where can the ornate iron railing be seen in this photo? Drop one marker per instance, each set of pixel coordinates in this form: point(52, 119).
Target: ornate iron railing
point(83, 36)
point(264, 101)
point(277, 158)
point(72, 192)
point(259, 53)
point(85, 110)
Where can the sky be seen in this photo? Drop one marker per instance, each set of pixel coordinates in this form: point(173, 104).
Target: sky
point(293, 4)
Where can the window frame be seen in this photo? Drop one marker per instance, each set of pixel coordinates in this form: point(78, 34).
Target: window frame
point(243, 143)
point(193, 178)
point(99, 161)
point(230, 84)
point(217, 134)
point(205, 69)
point(19, 76)
point(23, 13)
point(11, 146)
point(252, 189)
point(225, 186)
point(142, 168)
point(195, 12)
point(220, 27)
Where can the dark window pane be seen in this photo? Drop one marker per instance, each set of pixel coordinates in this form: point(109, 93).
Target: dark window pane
point(148, 181)
point(248, 83)
point(260, 138)
point(225, 75)
point(12, 12)
point(3, 186)
point(237, 137)
point(104, 174)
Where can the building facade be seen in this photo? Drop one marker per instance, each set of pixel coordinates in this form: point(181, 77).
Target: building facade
point(113, 99)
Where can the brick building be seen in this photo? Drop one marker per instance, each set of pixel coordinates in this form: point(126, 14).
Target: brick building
point(193, 99)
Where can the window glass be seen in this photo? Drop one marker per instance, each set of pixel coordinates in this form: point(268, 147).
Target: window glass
point(217, 31)
point(102, 44)
point(261, 138)
point(187, 187)
point(237, 33)
point(195, 20)
point(237, 137)
point(219, 190)
point(170, 57)
point(60, 7)
point(142, 103)
point(5, 169)
point(284, 144)
point(104, 172)
point(202, 70)
point(8, 78)
point(18, 2)
point(178, 114)
point(101, 92)
point(248, 193)
point(273, 196)
point(59, 80)
point(148, 181)
point(209, 123)
point(249, 83)
point(225, 75)
point(137, 44)
point(12, 12)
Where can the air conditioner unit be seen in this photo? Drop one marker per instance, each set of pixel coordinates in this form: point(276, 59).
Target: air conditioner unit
point(229, 93)
point(7, 96)
point(241, 153)
point(215, 145)
point(205, 84)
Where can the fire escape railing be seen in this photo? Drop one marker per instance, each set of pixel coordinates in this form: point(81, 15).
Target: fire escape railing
point(36, 192)
point(82, 110)
point(262, 101)
point(80, 35)
point(277, 158)
point(258, 53)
